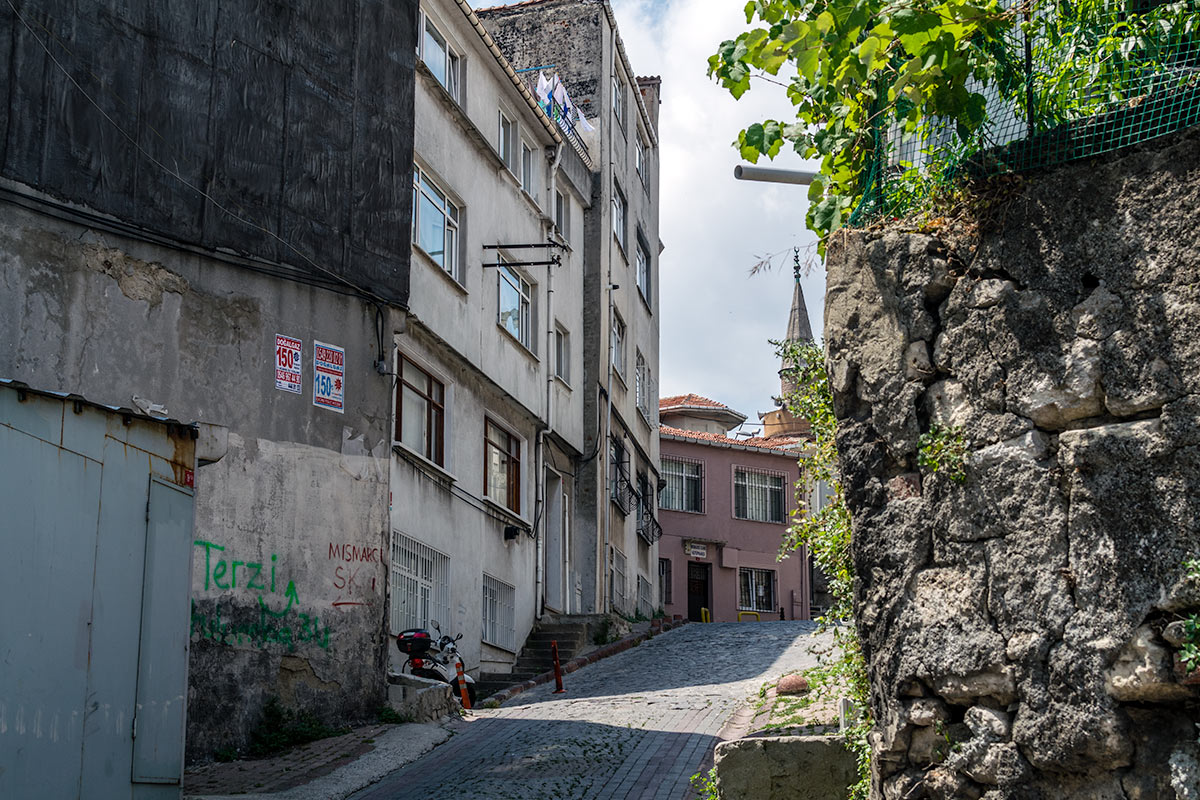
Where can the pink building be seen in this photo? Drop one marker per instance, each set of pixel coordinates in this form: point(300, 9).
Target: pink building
point(724, 509)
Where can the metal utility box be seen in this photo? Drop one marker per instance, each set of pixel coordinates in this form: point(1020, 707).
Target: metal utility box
point(96, 527)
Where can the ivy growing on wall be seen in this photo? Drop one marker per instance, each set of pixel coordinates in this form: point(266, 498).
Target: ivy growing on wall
point(825, 532)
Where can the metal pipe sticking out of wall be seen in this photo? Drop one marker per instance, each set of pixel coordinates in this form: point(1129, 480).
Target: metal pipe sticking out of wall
point(802, 177)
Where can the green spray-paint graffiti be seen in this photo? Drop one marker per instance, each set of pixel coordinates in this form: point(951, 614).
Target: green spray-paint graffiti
point(257, 627)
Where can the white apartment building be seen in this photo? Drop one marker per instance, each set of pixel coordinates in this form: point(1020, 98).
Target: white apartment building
point(489, 368)
point(616, 529)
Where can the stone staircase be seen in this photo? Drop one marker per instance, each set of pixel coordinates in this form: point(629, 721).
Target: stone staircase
point(573, 634)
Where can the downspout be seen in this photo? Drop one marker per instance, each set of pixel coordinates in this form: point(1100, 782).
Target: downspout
point(540, 571)
point(605, 593)
point(605, 598)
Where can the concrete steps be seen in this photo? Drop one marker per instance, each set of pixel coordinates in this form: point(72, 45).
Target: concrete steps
point(536, 657)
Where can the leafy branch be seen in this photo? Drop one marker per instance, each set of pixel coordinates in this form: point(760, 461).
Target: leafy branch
point(862, 72)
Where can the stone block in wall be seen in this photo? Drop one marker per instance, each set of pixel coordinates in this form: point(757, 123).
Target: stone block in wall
point(784, 768)
point(1023, 617)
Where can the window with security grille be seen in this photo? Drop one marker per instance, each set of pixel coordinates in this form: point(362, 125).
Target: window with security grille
point(420, 584)
point(643, 599)
point(756, 589)
point(499, 613)
point(618, 589)
point(685, 485)
point(758, 495)
point(664, 582)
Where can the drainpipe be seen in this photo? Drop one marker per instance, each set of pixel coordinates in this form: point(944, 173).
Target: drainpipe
point(605, 599)
point(547, 417)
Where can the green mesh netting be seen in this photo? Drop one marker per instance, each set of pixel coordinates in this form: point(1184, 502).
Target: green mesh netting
point(1089, 77)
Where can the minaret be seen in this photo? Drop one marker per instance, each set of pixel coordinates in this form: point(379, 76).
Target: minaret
point(780, 422)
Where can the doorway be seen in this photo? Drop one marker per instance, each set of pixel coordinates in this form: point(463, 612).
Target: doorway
point(698, 588)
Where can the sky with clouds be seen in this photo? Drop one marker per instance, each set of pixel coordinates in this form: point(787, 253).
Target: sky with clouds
point(716, 317)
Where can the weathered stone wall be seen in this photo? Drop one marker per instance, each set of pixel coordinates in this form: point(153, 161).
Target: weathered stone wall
point(1013, 624)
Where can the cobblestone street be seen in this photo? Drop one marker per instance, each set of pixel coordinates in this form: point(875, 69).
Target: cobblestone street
point(636, 725)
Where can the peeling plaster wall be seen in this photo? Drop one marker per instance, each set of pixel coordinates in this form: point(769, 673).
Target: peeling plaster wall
point(300, 500)
point(179, 183)
point(1017, 627)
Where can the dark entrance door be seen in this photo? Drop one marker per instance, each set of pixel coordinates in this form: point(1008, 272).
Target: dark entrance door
point(698, 574)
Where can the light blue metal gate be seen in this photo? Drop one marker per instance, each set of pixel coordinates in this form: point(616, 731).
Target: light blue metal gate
point(94, 629)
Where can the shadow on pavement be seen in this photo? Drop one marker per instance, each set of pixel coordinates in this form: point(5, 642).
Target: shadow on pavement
point(693, 655)
point(531, 759)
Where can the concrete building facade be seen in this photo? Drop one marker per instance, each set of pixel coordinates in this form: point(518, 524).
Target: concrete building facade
point(207, 215)
point(489, 393)
point(616, 529)
point(726, 505)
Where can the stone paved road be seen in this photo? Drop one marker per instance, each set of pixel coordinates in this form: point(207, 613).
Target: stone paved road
point(636, 725)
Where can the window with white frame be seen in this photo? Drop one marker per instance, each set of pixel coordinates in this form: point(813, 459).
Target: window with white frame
point(439, 57)
point(562, 215)
point(420, 411)
point(639, 159)
point(618, 91)
point(499, 613)
point(506, 142)
point(515, 299)
point(502, 466)
point(527, 171)
point(420, 584)
point(618, 344)
point(758, 495)
point(643, 270)
point(641, 383)
point(619, 209)
point(685, 485)
point(756, 589)
point(435, 222)
point(562, 353)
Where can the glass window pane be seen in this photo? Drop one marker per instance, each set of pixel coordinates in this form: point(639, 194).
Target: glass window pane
point(413, 429)
point(510, 303)
point(433, 230)
point(435, 53)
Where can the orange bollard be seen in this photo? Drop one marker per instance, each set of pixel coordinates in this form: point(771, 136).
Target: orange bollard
point(462, 688)
point(557, 669)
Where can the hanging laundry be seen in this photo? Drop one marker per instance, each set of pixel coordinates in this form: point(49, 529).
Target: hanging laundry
point(543, 88)
point(581, 122)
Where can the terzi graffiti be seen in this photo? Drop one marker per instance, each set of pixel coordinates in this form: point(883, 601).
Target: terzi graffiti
point(270, 621)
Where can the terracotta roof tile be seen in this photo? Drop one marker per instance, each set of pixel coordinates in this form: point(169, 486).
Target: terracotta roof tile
point(689, 401)
point(779, 443)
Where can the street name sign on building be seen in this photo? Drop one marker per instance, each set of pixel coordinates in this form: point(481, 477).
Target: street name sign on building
point(329, 377)
point(697, 550)
point(288, 370)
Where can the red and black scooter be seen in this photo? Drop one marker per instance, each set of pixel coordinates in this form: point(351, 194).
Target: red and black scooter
point(434, 658)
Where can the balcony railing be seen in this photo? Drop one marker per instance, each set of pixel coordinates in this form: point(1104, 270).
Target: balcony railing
point(622, 491)
point(648, 527)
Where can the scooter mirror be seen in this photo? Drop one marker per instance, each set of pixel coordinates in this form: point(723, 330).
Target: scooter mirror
point(456, 638)
point(434, 623)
